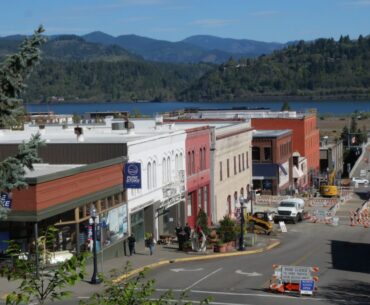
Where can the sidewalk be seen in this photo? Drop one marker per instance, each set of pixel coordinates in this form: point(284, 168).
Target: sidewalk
point(162, 255)
point(345, 209)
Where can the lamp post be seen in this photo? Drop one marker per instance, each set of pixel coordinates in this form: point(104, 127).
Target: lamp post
point(94, 278)
point(241, 239)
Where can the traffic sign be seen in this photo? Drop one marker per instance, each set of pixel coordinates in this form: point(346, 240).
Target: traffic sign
point(306, 286)
point(294, 274)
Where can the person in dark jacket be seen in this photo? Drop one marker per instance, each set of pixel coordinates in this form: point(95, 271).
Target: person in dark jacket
point(131, 244)
point(187, 230)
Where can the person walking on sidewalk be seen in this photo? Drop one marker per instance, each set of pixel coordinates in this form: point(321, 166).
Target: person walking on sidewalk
point(131, 244)
point(150, 244)
point(187, 230)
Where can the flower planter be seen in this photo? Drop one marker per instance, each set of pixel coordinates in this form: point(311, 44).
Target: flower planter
point(220, 248)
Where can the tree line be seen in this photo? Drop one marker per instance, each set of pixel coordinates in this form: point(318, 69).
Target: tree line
point(321, 68)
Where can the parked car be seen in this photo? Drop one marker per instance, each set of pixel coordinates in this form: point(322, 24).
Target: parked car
point(360, 180)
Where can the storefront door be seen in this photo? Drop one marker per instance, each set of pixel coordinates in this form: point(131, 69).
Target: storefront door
point(137, 225)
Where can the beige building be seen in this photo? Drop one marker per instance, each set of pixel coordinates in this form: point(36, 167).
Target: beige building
point(232, 176)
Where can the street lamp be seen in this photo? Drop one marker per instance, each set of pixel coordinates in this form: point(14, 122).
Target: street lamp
point(241, 239)
point(94, 278)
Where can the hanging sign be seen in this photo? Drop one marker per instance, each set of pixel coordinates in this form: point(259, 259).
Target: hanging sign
point(6, 200)
point(132, 176)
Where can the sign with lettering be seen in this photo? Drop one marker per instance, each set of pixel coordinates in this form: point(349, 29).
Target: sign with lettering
point(306, 286)
point(132, 176)
point(294, 274)
point(6, 200)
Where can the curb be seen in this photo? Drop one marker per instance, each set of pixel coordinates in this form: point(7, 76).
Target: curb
point(195, 258)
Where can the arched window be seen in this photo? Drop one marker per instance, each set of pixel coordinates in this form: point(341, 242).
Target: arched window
point(168, 169)
point(176, 164)
point(235, 198)
point(201, 159)
point(189, 163)
point(180, 162)
point(164, 170)
point(149, 176)
point(242, 192)
point(228, 206)
point(204, 158)
point(193, 162)
point(154, 183)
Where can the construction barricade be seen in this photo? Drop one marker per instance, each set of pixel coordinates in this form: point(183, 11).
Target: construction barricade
point(296, 279)
point(360, 217)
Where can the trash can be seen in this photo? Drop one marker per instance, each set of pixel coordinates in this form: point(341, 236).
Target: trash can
point(335, 221)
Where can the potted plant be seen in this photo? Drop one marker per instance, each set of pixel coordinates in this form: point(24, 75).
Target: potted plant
point(220, 247)
point(227, 232)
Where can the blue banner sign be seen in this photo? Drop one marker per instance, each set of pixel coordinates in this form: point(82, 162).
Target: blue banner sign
point(307, 286)
point(132, 176)
point(6, 200)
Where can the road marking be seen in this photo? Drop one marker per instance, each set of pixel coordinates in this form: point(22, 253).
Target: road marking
point(202, 302)
point(203, 278)
point(263, 295)
point(298, 261)
point(184, 269)
point(248, 273)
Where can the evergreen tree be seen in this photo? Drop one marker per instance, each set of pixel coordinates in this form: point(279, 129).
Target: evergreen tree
point(285, 107)
point(353, 127)
point(202, 221)
point(13, 72)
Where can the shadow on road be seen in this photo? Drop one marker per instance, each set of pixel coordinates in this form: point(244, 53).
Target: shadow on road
point(350, 256)
point(347, 292)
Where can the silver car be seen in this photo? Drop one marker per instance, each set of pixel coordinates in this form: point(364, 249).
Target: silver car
point(360, 180)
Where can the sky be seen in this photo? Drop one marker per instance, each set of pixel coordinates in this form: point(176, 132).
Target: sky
point(174, 20)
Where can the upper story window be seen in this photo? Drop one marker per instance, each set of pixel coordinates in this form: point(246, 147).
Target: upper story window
point(256, 154)
point(220, 171)
point(193, 162)
point(201, 159)
point(168, 169)
point(235, 165)
point(164, 171)
point(154, 170)
point(267, 153)
point(149, 176)
point(189, 163)
point(247, 159)
point(228, 168)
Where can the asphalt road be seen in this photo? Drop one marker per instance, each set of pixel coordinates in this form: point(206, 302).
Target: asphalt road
point(342, 254)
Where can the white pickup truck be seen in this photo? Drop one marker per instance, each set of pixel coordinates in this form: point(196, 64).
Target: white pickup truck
point(290, 210)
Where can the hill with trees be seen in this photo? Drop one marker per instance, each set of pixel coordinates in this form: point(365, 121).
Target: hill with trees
point(323, 68)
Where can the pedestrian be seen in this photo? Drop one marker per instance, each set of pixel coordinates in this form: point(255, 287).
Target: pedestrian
point(150, 244)
point(187, 230)
point(131, 244)
point(182, 239)
point(178, 229)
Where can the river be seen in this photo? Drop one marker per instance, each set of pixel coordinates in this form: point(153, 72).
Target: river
point(323, 107)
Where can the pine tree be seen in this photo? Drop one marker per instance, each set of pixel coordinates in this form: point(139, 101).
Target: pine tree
point(13, 73)
point(285, 107)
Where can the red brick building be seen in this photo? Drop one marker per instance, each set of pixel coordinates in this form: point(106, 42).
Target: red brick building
point(305, 135)
point(272, 161)
point(197, 147)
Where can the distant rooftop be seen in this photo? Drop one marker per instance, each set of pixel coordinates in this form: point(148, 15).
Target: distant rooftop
point(44, 169)
point(271, 133)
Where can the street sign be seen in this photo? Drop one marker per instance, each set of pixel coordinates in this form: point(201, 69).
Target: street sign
point(132, 176)
point(306, 286)
point(283, 227)
point(294, 274)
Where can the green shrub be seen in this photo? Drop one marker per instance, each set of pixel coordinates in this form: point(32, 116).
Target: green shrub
point(227, 230)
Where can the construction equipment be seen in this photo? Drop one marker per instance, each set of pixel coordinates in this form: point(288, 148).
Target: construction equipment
point(260, 222)
point(328, 189)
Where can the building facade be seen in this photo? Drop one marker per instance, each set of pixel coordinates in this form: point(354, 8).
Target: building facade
point(272, 161)
point(198, 144)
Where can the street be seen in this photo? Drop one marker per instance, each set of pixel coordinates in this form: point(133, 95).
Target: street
point(341, 253)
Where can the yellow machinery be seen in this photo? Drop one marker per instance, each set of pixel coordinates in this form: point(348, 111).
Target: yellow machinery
point(259, 222)
point(329, 189)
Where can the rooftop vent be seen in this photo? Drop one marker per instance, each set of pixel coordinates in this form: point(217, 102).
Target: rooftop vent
point(79, 134)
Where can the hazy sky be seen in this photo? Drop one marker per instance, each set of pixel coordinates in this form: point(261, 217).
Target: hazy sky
point(173, 20)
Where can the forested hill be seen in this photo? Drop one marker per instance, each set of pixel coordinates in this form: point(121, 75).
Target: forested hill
point(75, 70)
point(105, 81)
point(323, 68)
